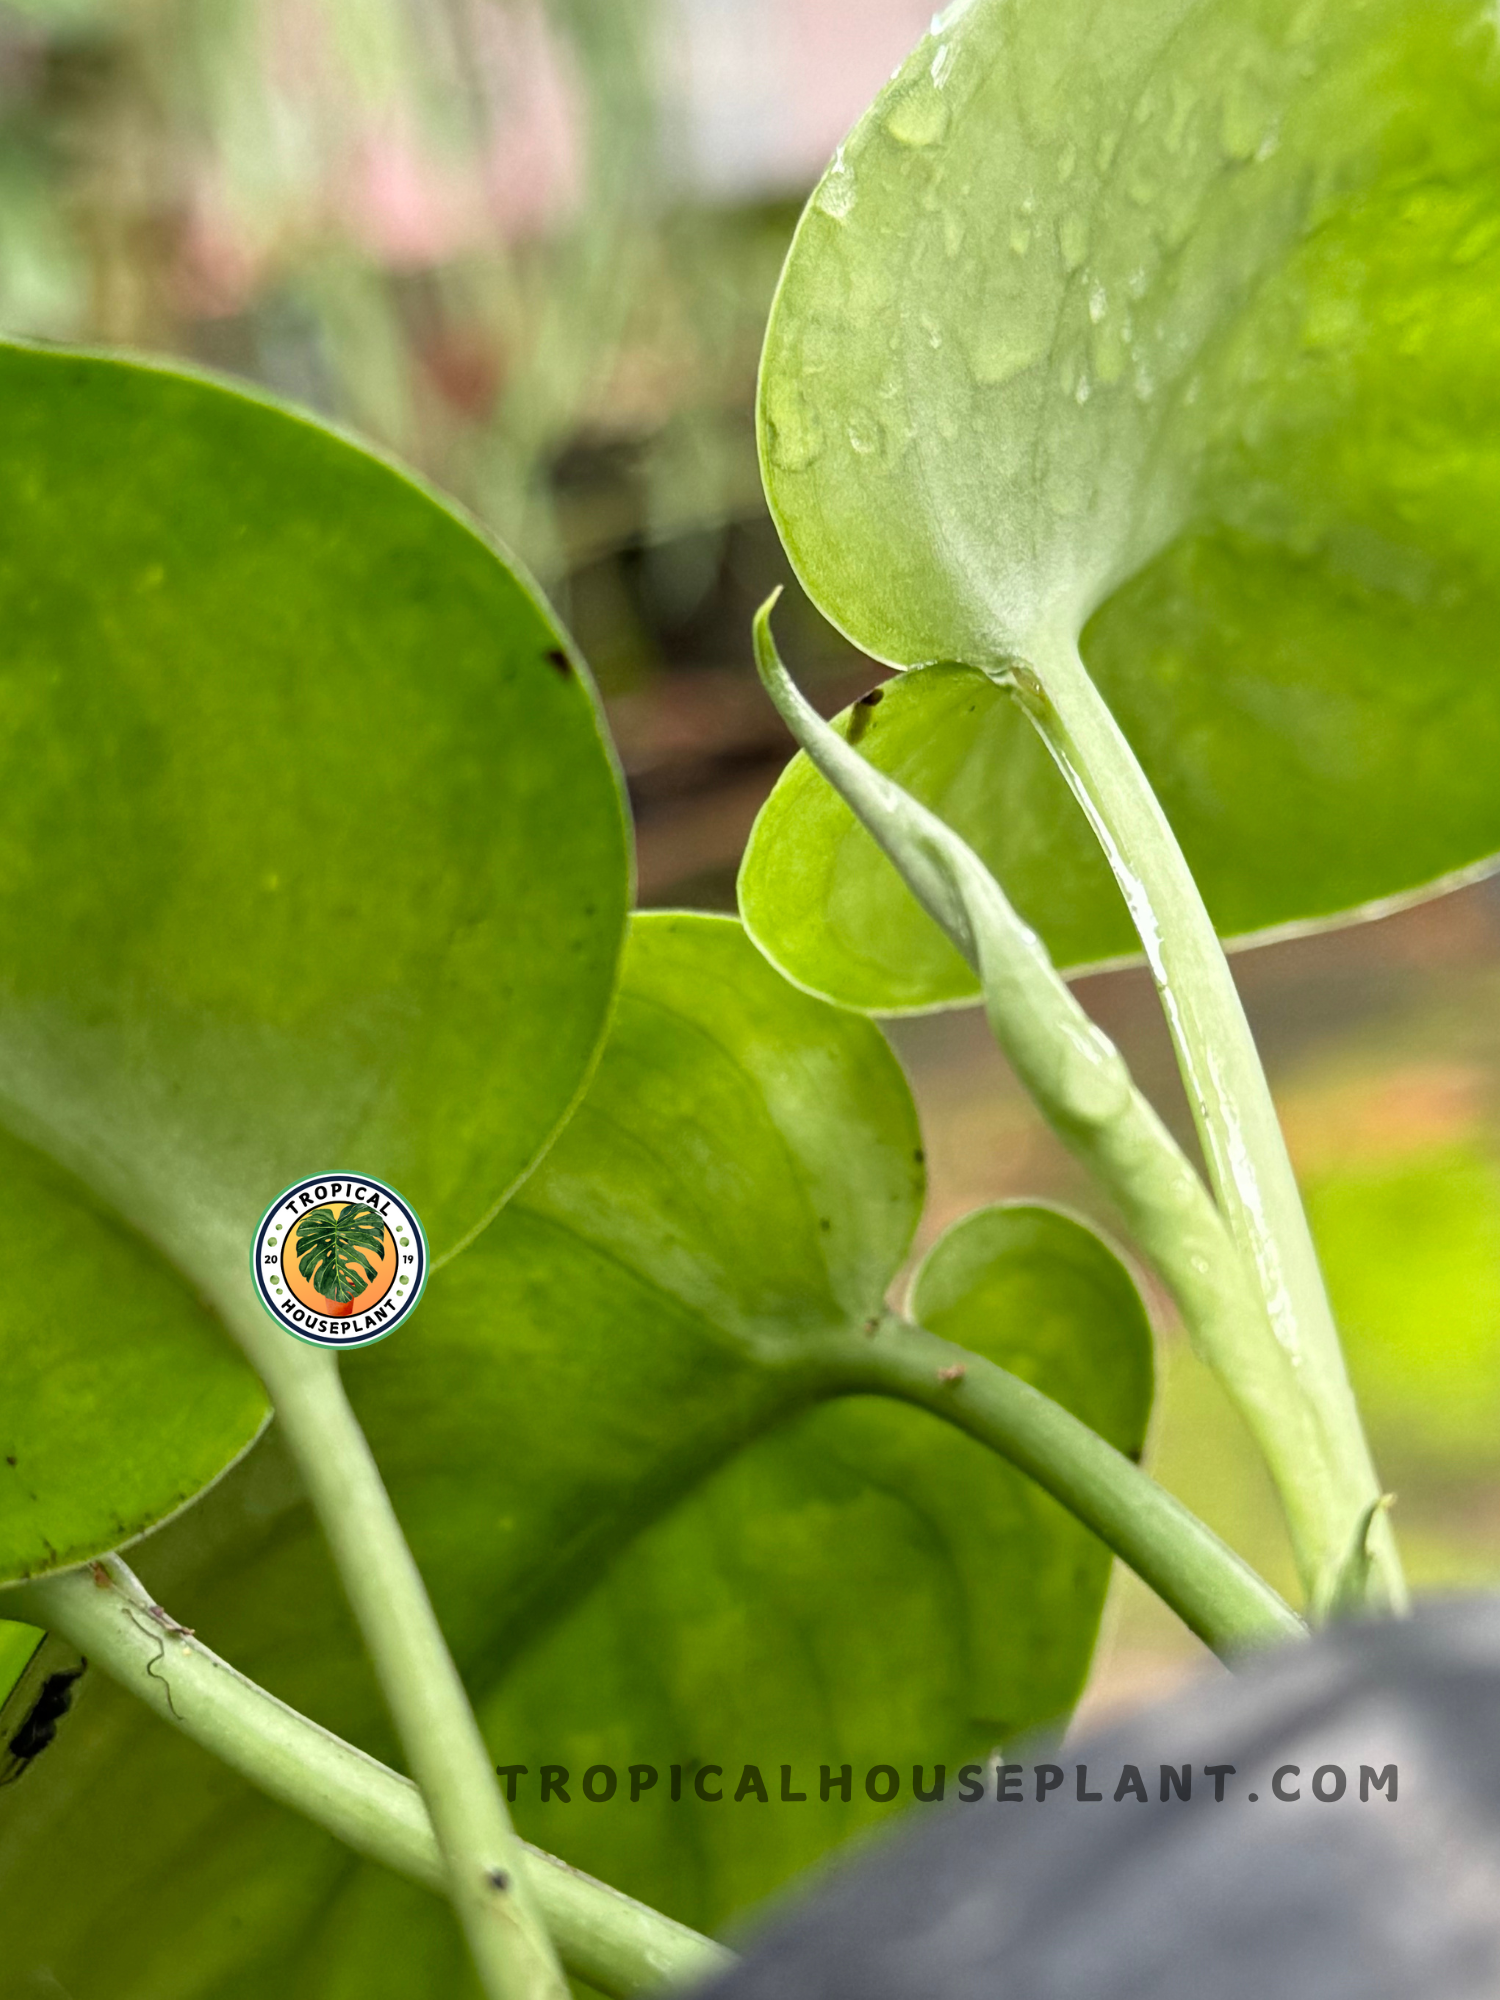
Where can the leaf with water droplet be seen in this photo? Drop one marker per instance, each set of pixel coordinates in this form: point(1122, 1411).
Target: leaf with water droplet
point(1258, 498)
point(919, 117)
point(1073, 240)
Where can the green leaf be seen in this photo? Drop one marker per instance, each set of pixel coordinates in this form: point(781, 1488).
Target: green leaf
point(648, 1537)
point(1168, 324)
point(820, 899)
point(17, 1644)
point(311, 857)
point(1023, 1265)
point(121, 1398)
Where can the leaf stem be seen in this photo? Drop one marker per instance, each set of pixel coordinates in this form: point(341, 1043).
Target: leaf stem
point(487, 1882)
point(1331, 1490)
point(1214, 1592)
point(1083, 1088)
point(617, 1944)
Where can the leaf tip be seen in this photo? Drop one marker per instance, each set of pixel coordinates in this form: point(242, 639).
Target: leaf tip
point(767, 659)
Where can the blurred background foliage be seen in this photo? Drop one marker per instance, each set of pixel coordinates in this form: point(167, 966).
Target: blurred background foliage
point(529, 245)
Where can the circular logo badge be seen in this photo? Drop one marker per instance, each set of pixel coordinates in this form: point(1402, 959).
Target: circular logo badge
point(339, 1259)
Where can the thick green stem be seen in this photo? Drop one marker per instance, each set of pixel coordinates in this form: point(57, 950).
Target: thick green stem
point(1231, 1103)
point(1209, 1587)
point(487, 1880)
point(1084, 1090)
point(615, 1943)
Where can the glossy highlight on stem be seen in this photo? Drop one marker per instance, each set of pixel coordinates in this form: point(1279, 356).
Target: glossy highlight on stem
point(1083, 1088)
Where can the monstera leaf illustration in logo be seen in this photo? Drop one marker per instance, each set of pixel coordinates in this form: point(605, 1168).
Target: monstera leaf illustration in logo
point(331, 1246)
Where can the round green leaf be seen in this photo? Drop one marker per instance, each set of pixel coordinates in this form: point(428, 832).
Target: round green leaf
point(313, 858)
point(121, 1396)
point(818, 896)
point(648, 1539)
point(1167, 324)
point(1043, 1275)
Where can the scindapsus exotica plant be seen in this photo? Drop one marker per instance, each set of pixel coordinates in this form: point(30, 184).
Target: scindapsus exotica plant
point(1133, 384)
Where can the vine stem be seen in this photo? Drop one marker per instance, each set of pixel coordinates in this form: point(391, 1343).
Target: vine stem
point(1083, 1088)
point(487, 1879)
point(1215, 1592)
point(617, 1944)
point(1242, 1140)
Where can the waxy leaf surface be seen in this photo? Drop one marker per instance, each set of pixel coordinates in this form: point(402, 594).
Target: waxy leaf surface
point(1166, 323)
point(313, 859)
point(650, 1539)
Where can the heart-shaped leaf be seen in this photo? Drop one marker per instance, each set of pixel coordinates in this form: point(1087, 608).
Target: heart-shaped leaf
point(1022, 1264)
point(649, 1539)
point(1169, 324)
point(314, 858)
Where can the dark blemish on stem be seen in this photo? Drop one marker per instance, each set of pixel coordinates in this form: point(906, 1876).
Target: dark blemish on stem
point(168, 1623)
point(954, 1374)
point(498, 1879)
point(556, 657)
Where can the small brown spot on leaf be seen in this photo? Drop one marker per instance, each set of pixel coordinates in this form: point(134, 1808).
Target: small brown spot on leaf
point(556, 657)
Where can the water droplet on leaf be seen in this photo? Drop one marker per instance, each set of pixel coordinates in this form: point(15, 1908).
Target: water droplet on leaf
point(796, 430)
point(1000, 350)
point(866, 434)
point(1244, 119)
point(835, 195)
point(919, 116)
